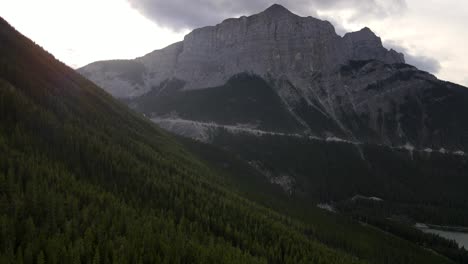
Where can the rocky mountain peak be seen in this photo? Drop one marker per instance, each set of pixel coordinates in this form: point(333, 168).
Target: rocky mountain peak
point(277, 10)
point(363, 35)
point(346, 87)
point(365, 45)
point(275, 42)
point(366, 30)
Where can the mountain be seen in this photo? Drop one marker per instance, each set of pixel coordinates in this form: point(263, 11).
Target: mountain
point(274, 42)
point(83, 179)
point(349, 87)
point(325, 117)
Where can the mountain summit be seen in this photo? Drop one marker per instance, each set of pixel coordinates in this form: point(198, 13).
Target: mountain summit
point(273, 42)
point(277, 10)
point(312, 81)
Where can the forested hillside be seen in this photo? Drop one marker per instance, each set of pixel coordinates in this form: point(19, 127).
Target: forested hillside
point(85, 180)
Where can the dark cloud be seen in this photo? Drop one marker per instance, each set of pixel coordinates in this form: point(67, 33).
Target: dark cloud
point(189, 14)
point(421, 62)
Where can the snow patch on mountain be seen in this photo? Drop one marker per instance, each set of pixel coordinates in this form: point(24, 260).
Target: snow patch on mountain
point(362, 197)
point(428, 150)
point(201, 128)
point(327, 207)
point(194, 130)
point(286, 182)
point(340, 140)
point(410, 148)
point(203, 131)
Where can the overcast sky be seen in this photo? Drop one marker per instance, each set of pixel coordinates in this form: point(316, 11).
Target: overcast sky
point(433, 34)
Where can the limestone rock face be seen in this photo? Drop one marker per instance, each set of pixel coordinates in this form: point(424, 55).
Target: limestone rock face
point(273, 43)
point(132, 78)
point(365, 45)
point(348, 87)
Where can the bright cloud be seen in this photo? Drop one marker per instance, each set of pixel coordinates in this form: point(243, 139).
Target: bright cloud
point(431, 33)
point(83, 31)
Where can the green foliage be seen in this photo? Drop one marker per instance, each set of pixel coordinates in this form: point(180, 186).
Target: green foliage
point(84, 180)
point(244, 99)
point(337, 231)
point(327, 171)
point(377, 214)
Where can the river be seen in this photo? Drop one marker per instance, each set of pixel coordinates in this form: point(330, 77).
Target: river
point(460, 237)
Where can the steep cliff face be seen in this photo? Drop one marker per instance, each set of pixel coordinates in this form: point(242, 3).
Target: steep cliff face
point(349, 87)
point(275, 42)
point(365, 45)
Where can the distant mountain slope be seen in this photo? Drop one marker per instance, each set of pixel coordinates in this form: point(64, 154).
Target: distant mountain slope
point(349, 87)
point(279, 74)
point(83, 179)
point(243, 100)
point(273, 43)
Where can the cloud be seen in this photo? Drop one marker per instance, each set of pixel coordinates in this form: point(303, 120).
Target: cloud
point(424, 63)
point(339, 28)
point(421, 62)
point(189, 14)
point(184, 14)
point(465, 82)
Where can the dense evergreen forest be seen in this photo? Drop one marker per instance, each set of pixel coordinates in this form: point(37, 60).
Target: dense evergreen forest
point(85, 180)
point(430, 188)
point(337, 231)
